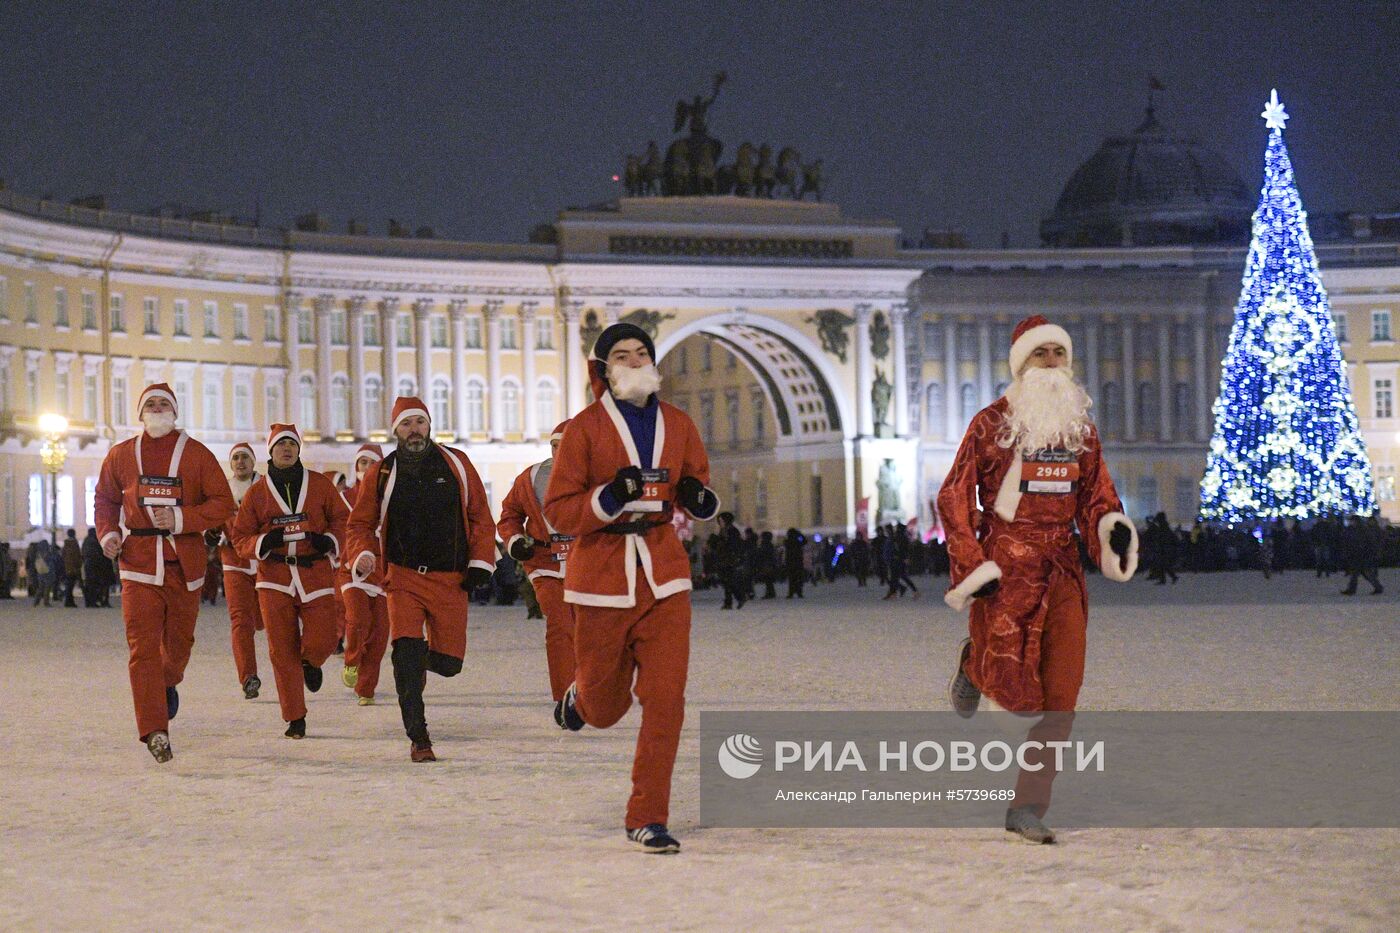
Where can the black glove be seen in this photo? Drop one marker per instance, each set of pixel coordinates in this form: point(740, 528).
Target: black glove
point(626, 485)
point(1119, 538)
point(693, 496)
point(523, 548)
point(321, 544)
point(211, 537)
point(988, 589)
point(477, 577)
point(271, 542)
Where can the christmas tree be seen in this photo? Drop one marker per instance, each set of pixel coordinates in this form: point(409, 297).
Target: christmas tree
point(1287, 443)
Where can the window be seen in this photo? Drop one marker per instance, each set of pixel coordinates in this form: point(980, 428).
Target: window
point(120, 414)
point(1144, 349)
point(90, 501)
point(242, 406)
point(405, 330)
point(933, 340)
point(116, 314)
point(969, 402)
point(374, 404)
point(340, 404)
point(510, 407)
point(89, 311)
point(240, 322)
point(65, 500)
point(439, 406)
point(1146, 409)
point(211, 319)
point(760, 417)
point(272, 324)
point(1339, 320)
point(438, 325)
point(816, 500)
point(150, 316)
point(184, 393)
point(36, 501)
point(707, 360)
point(1110, 342)
point(544, 333)
point(305, 329)
point(60, 307)
point(1147, 503)
point(90, 397)
point(1385, 483)
point(473, 322)
point(508, 334)
point(731, 361)
point(1112, 423)
point(476, 406)
point(213, 403)
point(182, 317)
point(1380, 325)
point(31, 387)
point(407, 386)
point(1188, 499)
point(682, 361)
point(760, 499)
point(1183, 410)
point(61, 399)
point(306, 388)
point(934, 410)
point(1384, 392)
point(272, 401)
point(545, 405)
point(339, 332)
point(31, 304)
point(967, 343)
point(369, 329)
point(731, 412)
point(707, 416)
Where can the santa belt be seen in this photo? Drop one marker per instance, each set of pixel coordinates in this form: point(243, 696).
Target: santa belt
point(303, 561)
point(147, 532)
point(640, 526)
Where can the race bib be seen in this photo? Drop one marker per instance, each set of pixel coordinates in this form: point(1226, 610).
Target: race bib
point(560, 546)
point(1050, 472)
point(159, 490)
point(656, 492)
point(293, 526)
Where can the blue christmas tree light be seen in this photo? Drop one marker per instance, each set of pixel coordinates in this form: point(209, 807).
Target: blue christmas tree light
point(1287, 443)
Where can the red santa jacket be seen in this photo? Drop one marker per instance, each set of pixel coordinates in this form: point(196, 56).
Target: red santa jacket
point(345, 579)
point(371, 511)
point(263, 511)
point(175, 463)
point(984, 470)
point(602, 567)
point(521, 515)
point(228, 555)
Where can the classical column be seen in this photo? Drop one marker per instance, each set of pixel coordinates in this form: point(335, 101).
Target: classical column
point(493, 367)
point(423, 323)
point(984, 362)
point(291, 322)
point(575, 366)
point(612, 311)
point(389, 320)
point(1091, 359)
point(1164, 380)
point(1129, 383)
point(864, 377)
point(1198, 347)
point(457, 313)
point(356, 317)
point(952, 384)
point(323, 366)
point(528, 311)
point(898, 312)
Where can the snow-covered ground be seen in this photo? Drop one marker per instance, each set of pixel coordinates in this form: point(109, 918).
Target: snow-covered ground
point(519, 825)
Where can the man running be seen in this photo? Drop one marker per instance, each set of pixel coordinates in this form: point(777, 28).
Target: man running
point(240, 576)
point(366, 611)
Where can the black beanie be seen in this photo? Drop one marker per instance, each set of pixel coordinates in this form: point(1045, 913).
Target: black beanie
point(621, 331)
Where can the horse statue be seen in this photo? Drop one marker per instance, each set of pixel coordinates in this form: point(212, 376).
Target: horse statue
point(632, 176)
point(706, 172)
point(744, 170)
point(789, 165)
point(677, 168)
point(811, 180)
point(766, 176)
point(651, 170)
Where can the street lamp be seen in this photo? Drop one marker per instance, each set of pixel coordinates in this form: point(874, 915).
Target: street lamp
point(53, 453)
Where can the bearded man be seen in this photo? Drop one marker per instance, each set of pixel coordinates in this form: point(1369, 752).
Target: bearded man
point(1034, 455)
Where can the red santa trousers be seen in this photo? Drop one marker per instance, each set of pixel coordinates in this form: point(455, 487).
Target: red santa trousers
point(366, 636)
point(245, 617)
point(340, 619)
point(160, 635)
point(288, 644)
point(558, 633)
point(650, 641)
point(433, 603)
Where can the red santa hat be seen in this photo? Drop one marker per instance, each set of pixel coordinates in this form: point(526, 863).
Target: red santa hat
point(369, 450)
point(406, 406)
point(242, 445)
point(157, 390)
point(337, 477)
point(558, 433)
point(280, 431)
point(1031, 333)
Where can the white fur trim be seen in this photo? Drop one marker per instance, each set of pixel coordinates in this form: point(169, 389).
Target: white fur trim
point(511, 543)
point(408, 413)
point(595, 501)
point(110, 534)
point(1009, 495)
point(1108, 561)
point(354, 563)
point(272, 441)
point(179, 527)
point(713, 512)
point(481, 564)
point(1026, 344)
point(156, 393)
point(959, 596)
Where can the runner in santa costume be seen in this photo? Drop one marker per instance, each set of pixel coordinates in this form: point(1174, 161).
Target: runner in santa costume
point(366, 611)
point(1033, 458)
point(531, 540)
point(240, 575)
point(292, 522)
point(423, 517)
point(623, 464)
point(337, 479)
point(157, 494)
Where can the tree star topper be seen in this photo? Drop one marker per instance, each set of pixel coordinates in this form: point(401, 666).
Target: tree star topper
point(1274, 115)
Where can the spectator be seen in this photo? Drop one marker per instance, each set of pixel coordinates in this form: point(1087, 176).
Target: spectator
point(72, 566)
point(793, 548)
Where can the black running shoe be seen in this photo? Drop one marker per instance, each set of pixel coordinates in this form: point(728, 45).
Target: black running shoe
point(296, 729)
point(654, 838)
point(312, 676)
point(172, 702)
point(159, 745)
point(251, 686)
point(565, 714)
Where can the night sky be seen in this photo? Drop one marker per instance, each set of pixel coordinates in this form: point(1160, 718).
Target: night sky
point(482, 120)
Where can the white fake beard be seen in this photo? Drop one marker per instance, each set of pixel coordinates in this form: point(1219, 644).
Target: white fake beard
point(240, 487)
point(634, 385)
point(1046, 409)
point(158, 423)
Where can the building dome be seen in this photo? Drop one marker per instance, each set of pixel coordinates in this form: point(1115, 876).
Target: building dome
point(1150, 188)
